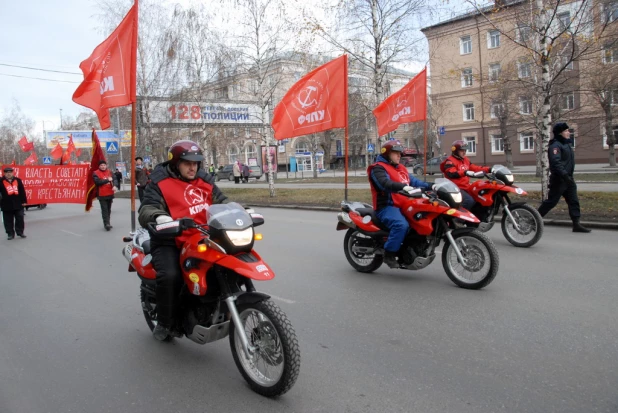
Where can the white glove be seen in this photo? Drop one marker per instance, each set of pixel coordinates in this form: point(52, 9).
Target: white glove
point(411, 190)
point(433, 187)
point(162, 219)
point(469, 173)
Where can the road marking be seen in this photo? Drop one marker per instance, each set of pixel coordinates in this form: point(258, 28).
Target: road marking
point(285, 300)
point(69, 232)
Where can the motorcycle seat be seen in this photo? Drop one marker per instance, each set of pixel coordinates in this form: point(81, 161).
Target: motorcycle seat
point(374, 217)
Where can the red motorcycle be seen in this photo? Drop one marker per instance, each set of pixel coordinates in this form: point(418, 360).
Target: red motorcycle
point(469, 258)
point(218, 298)
point(522, 225)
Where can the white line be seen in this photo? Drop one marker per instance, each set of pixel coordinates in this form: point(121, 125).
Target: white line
point(285, 300)
point(69, 232)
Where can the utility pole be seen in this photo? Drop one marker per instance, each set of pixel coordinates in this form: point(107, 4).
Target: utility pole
point(60, 119)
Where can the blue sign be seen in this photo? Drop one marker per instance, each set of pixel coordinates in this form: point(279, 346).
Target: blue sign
point(111, 147)
point(370, 147)
point(441, 130)
point(47, 160)
point(147, 159)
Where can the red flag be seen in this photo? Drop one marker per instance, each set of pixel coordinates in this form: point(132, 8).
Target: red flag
point(66, 158)
point(315, 103)
point(405, 106)
point(70, 145)
point(56, 152)
point(32, 159)
point(14, 163)
point(78, 152)
point(97, 155)
point(25, 145)
point(110, 71)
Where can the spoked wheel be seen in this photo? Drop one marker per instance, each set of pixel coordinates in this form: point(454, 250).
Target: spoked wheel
point(273, 368)
point(530, 225)
point(480, 256)
point(149, 307)
point(361, 261)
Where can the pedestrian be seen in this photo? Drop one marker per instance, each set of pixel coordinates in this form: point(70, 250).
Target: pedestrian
point(236, 171)
point(211, 170)
point(141, 177)
point(561, 182)
point(118, 176)
point(106, 187)
point(13, 199)
point(245, 173)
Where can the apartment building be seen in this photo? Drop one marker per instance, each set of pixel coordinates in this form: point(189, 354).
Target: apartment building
point(483, 74)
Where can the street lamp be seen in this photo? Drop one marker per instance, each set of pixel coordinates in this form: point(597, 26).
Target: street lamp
point(60, 119)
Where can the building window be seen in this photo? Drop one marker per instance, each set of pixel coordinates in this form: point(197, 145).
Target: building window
point(613, 97)
point(567, 101)
point(524, 70)
point(526, 142)
point(495, 110)
point(466, 77)
point(221, 93)
point(465, 45)
point(610, 53)
point(471, 142)
point(523, 33)
point(302, 147)
point(250, 152)
point(493, 39)
point(615, 132)
point(565, 20)
point(232, 153)
point(494, 72)
point(468, 111)
point(572, 137)
point(497, 144)
point(610, 10)
point(525, 105)
point(567, 62)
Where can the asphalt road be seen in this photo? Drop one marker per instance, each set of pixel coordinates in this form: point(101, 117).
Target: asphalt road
point(541, 338)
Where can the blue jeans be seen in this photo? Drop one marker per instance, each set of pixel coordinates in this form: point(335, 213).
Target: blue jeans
point(392, 218)
point(467, 202)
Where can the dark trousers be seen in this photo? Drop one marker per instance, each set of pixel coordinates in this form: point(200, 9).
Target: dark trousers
point(467, 200)
point(398, 227)
point(559, 188)
point(236, 179)
point(13, 221)
point(106, 209)
point(140, 193)
point(165, 259)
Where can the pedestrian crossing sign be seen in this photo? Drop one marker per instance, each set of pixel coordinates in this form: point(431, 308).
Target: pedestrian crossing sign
point(111, 147)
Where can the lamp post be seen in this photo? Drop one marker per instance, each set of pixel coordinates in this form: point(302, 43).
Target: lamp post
point(60, 119)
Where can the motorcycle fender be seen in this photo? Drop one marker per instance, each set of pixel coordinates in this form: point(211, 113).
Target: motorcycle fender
point(258, 270)
point(462, 214)
point(251, 297)
point(515, 190)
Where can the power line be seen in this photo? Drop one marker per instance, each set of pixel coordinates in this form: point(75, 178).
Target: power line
point(39, 78)
point(43, 70)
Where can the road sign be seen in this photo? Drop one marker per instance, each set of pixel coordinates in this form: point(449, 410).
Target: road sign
point(370, 147)
point(111, 148)
point(47, 160)
point(147, 159)
point(442, 130)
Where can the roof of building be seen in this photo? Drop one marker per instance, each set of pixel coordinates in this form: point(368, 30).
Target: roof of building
point(475, 12)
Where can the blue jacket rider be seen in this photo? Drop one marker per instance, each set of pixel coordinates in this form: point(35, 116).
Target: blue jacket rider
point(386, 176)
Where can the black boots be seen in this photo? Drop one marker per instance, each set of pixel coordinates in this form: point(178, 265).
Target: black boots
point(577, 227)
point(390, 259)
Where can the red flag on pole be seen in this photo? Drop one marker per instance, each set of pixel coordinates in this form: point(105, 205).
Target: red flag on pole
point(97, 155)
point(405, 106)
point(70, 145)
point(78, 152)
point(25, 145)
point(66, 158)
point(56, 152)
point(14, 163)
point(32, 159)
point(110, 71)
point(315, 103)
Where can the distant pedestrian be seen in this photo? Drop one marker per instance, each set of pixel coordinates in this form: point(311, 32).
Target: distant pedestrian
point(141, 177)
point(211, 170)
point(236, 172)
point(13, 199)
point(106, 187)
point(118, 176)
point(561, 182)
point(245, 173)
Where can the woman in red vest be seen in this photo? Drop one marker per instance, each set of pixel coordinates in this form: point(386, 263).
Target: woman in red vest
point(12, 202)
point(106, 187)
point(179, 188)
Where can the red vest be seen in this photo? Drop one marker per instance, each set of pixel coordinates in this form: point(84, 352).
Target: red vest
point(187, 200)
point(460, 166)
point(108, 188)
point(397, 174)
point(11, 188)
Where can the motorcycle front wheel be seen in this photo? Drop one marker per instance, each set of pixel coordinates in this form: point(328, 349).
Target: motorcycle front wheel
point(481, 260)
point(530, 225)
point(361, 262)
point(273, 368)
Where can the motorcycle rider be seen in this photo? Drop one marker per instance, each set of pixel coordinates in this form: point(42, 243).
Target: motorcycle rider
point(386, 176)
point(179, 188)
point(458, 169)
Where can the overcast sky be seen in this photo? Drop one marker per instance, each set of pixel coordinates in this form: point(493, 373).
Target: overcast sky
point(53, 35)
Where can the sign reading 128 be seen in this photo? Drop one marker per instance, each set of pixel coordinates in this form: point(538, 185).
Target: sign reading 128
point(185, 112)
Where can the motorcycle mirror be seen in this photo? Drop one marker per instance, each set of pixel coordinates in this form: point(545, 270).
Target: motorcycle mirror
point(257, 219)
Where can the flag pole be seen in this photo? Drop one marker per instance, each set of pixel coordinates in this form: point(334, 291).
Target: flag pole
point(133, 118)
point(425, 136)
point(347, 137)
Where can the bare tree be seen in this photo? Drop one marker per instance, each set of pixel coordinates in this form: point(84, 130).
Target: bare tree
point(13, 125)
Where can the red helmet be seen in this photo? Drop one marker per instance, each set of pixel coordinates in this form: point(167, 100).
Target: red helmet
point(459, 146)
point(391, 146)
point(185, 150)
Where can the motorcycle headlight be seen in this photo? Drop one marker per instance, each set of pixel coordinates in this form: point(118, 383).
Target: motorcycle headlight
point(457, 197)
point(240, 238)
point(509, 178)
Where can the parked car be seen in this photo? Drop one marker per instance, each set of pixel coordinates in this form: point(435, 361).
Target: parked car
point(256, 172)
point(433, 166)
point(227, 172)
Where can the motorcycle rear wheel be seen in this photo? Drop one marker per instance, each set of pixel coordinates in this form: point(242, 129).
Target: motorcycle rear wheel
point(531, 226)
point(273, 369)
point(149, 307)
point(360, 262)
point(482, 260)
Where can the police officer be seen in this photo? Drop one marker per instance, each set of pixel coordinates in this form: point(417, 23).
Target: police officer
point(561, 182)
point(386, 176)
point(12, 202)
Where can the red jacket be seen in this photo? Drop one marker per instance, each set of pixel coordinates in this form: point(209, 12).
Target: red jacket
point(454, 168)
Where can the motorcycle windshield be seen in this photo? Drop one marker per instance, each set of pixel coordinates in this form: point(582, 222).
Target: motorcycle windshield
point(230, 216)
point(446, 185)
point(501, 169)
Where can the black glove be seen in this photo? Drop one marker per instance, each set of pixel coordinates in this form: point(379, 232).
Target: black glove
point(569, 180)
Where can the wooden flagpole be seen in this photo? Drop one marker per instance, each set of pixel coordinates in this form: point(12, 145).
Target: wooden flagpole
point(347, 137)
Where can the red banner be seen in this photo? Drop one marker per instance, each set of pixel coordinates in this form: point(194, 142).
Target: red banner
point(54, 184)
